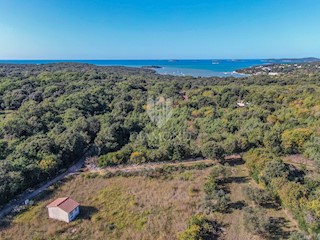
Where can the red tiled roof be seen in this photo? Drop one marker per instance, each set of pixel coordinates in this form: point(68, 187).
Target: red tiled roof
point(66, 204)
point(57, 202)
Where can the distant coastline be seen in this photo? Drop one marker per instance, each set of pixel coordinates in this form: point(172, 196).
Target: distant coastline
point(192, 67)
point(275, 69)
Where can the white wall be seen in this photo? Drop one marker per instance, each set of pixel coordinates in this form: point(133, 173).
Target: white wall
point(57, 213)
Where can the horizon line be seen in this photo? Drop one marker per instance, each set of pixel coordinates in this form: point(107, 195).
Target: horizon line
point(157, 59)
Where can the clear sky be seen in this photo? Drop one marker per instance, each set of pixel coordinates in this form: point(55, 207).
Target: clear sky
point(159, 29)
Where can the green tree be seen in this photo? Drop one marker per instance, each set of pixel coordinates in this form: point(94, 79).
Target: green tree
point(294, 139)
point(212, 150)
point(273, 169)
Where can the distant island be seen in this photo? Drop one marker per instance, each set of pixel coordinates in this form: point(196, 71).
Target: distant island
point(150, 67)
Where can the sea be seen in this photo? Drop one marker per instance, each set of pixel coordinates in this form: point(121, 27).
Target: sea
point(195, 68)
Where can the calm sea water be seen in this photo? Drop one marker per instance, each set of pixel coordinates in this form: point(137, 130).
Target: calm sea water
point(196, 68)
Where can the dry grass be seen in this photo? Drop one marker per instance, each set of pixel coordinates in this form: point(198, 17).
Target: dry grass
point(117, 208)
point(234, 222)
point(140, 208)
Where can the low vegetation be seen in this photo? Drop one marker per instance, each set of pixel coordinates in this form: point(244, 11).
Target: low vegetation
point(167, 203)
point(291, 186)
point(133, 207)
point(200, 228)
point(256, 221)
point(260, 197)
point(216, 198)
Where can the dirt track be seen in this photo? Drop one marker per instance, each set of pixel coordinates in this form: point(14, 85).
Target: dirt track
point(9, 207)
point(135, 168)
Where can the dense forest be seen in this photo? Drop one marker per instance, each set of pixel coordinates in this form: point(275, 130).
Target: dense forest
point(50, 114)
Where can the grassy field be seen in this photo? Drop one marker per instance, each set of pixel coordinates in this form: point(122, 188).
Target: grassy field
point(139, 208)
point(116, 208)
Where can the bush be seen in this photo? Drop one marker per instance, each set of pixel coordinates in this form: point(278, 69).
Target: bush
point(258, 196)
point(312, 149)
point(256, 221)
point(273, 169)
point(221, 171)
point(137, 157)
point(256, 160)
point(210, 185)
point(216, 201)
point(199, 228)
point(115, 158)
point(212, 150)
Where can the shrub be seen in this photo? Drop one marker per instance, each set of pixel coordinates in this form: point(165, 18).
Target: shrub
point(221, 171)
point(212, 150)
point(199, 228)
point(256, 221)
point(137, 157)
point(273, 169)
point(218, 172)
point(312, 149)
point(256, 160)
point(312, 214)
point(115, 158)
point(216, 201)
point(259, 196)
point(210, 185)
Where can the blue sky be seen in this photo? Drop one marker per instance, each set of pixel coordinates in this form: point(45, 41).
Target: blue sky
point(162, 29)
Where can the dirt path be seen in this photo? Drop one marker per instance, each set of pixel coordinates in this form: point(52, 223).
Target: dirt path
point(234, 222)
point(300, 161)
point(9, 207)
point(146, 166)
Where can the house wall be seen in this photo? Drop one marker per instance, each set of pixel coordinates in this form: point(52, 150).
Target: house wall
point(74, 214)
point(59, 214)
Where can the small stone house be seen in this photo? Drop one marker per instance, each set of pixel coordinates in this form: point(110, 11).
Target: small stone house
point(63, 209)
